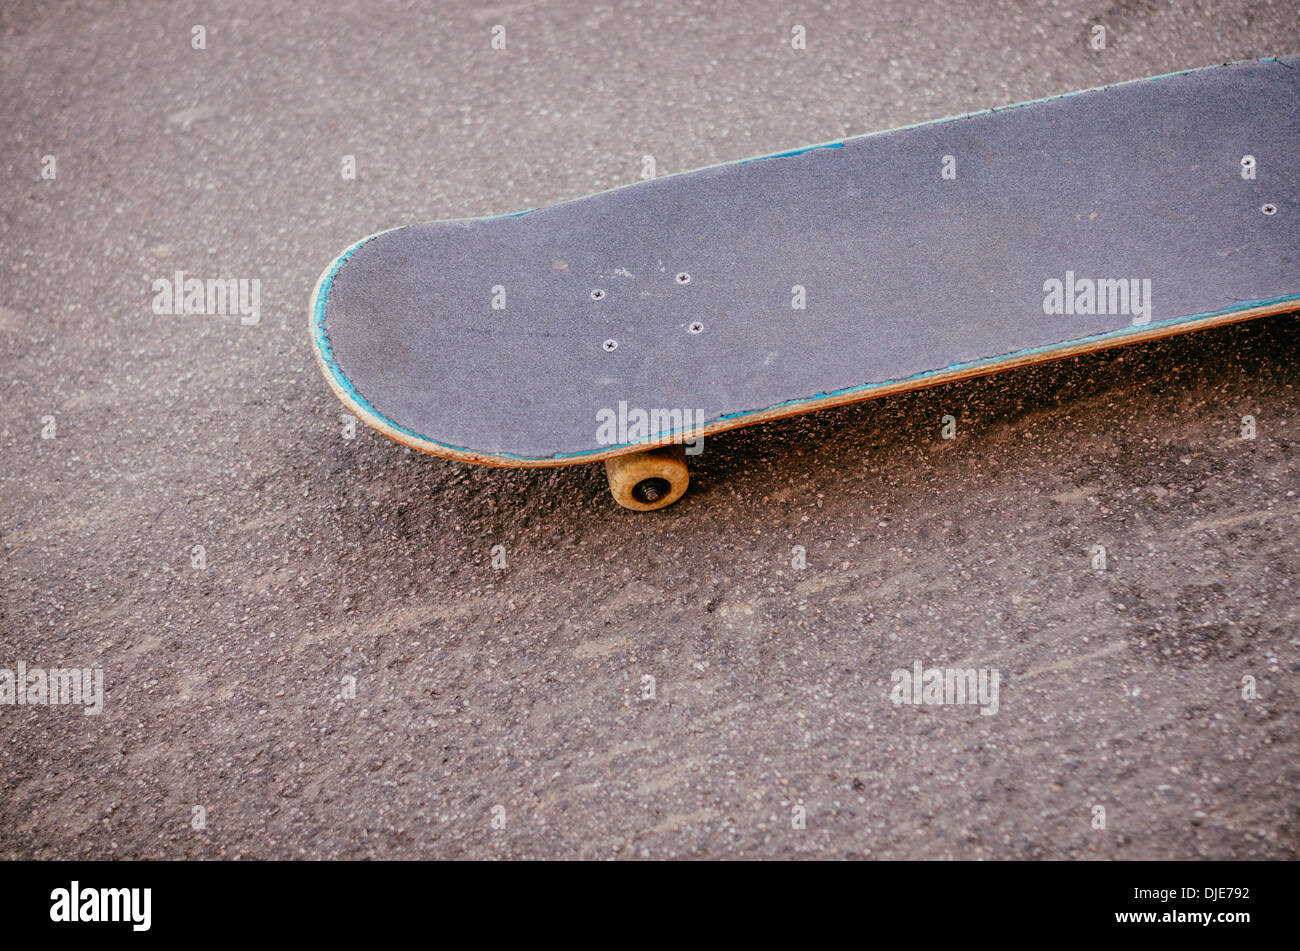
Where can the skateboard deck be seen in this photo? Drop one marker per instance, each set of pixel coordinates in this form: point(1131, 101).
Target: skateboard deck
point(620, 325)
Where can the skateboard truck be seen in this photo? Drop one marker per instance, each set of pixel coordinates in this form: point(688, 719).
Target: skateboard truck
point(645, 481)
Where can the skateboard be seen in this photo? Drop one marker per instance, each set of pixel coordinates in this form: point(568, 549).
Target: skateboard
point(628, 325)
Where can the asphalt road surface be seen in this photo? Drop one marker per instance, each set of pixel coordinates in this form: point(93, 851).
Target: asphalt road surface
point(305, 646)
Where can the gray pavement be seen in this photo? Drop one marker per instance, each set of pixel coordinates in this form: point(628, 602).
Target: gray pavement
point(131, 440)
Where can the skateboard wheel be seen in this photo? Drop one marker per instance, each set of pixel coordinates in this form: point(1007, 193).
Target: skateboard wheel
point(645, 481)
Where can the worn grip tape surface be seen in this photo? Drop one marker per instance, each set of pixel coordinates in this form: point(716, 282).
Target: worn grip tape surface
point(910, 278)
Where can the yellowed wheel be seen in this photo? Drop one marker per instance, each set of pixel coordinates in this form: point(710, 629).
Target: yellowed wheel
point(644, 481)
